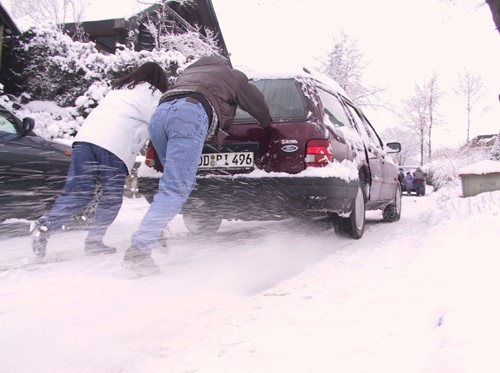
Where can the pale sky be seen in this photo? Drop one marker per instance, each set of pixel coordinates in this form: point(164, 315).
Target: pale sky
point(404, 41)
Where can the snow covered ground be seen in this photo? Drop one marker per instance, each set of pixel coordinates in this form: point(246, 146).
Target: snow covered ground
point(418, 295)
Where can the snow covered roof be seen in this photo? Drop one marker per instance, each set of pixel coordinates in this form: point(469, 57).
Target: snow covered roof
point(481, 168)
point(483, 140)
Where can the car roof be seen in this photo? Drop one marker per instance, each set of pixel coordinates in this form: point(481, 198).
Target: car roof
point(294, 73)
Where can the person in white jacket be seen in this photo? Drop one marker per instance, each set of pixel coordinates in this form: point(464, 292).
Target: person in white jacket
point(104, 151)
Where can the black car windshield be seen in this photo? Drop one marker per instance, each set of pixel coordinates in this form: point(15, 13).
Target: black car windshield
point(7, 123)
point(284, 97)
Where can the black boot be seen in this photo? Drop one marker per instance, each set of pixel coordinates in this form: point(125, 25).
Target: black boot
point(97, 247)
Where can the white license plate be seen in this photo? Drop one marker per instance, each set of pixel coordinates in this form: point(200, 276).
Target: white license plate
point(224, 161)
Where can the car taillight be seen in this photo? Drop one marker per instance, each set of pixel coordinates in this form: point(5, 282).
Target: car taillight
point(67, 153)
point(150, 156)
point(318, 153)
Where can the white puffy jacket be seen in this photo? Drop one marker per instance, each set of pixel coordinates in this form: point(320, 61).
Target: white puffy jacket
point(120, 122)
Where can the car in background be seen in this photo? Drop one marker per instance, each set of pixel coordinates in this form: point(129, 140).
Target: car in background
point(405, 187)
point(33, 170)
point(410, 189)
point(321, 158)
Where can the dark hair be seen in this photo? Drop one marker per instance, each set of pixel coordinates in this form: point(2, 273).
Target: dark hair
point(149, 72)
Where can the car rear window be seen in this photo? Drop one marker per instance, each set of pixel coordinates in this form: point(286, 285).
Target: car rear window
point(284, 97)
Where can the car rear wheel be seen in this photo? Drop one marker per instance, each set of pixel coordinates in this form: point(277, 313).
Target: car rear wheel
point(200, 223)
point(356, 222)
point(354, 225)
point(392, 212)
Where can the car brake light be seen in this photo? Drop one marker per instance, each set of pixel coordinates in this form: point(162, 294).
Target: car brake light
point(318, 153)
point(68, 153)
point(150, 156)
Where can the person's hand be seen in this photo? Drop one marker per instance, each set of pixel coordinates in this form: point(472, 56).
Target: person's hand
point(271, 132)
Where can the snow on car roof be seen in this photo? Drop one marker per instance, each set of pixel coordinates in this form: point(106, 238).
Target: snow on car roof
point(293, 72)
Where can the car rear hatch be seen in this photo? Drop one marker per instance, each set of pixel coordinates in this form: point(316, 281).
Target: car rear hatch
point(292, 140)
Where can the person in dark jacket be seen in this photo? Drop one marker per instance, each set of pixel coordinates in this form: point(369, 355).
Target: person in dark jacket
point(401, 178)
point(200, 105)
point(419, 177)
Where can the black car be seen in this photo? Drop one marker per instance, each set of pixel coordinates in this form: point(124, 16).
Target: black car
point(32, 169)
point(322, 158)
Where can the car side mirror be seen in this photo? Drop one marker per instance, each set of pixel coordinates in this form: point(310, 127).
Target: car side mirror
point(395, 147)
point(28, 125)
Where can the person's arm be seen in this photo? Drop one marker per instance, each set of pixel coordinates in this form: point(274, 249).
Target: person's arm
point(252, 100)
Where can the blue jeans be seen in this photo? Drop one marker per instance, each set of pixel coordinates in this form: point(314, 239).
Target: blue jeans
point(90, 163)
point(177, 129)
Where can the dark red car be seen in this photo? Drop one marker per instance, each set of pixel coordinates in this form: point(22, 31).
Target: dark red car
point(322, 158)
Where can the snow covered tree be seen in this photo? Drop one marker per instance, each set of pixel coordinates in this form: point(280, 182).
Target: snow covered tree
point(433, 95)
point(421, 114)
point(416, 119)
point(470, 90)
point(345, 64)
point(49, 66)
point(50, 12)
point(44, 64)
point(409, 144)
point(169, 31)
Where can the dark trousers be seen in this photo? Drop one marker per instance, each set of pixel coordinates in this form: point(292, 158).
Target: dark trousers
point(419, 187)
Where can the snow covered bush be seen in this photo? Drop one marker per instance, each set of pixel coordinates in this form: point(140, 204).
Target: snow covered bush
point(44, 64)
point(124, 60)
point(58, 81)
point(443, 172)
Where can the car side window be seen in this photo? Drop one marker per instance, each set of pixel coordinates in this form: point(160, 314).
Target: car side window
point(364, 127)
point(333, 109)
point(6, 125)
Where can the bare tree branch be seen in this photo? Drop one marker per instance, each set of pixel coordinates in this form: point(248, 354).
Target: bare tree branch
point(50, 12)
point(345, 64)
point(422, 115)
point(470, 90)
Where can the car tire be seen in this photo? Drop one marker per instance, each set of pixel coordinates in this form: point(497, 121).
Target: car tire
point(392, 212)
point(354, 225)
point(200, 224)
point(356, 222)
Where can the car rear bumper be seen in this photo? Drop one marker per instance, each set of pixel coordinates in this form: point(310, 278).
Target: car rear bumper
point(265, 198)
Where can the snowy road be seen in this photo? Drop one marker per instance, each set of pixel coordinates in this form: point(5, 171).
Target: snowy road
point(255, 297)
